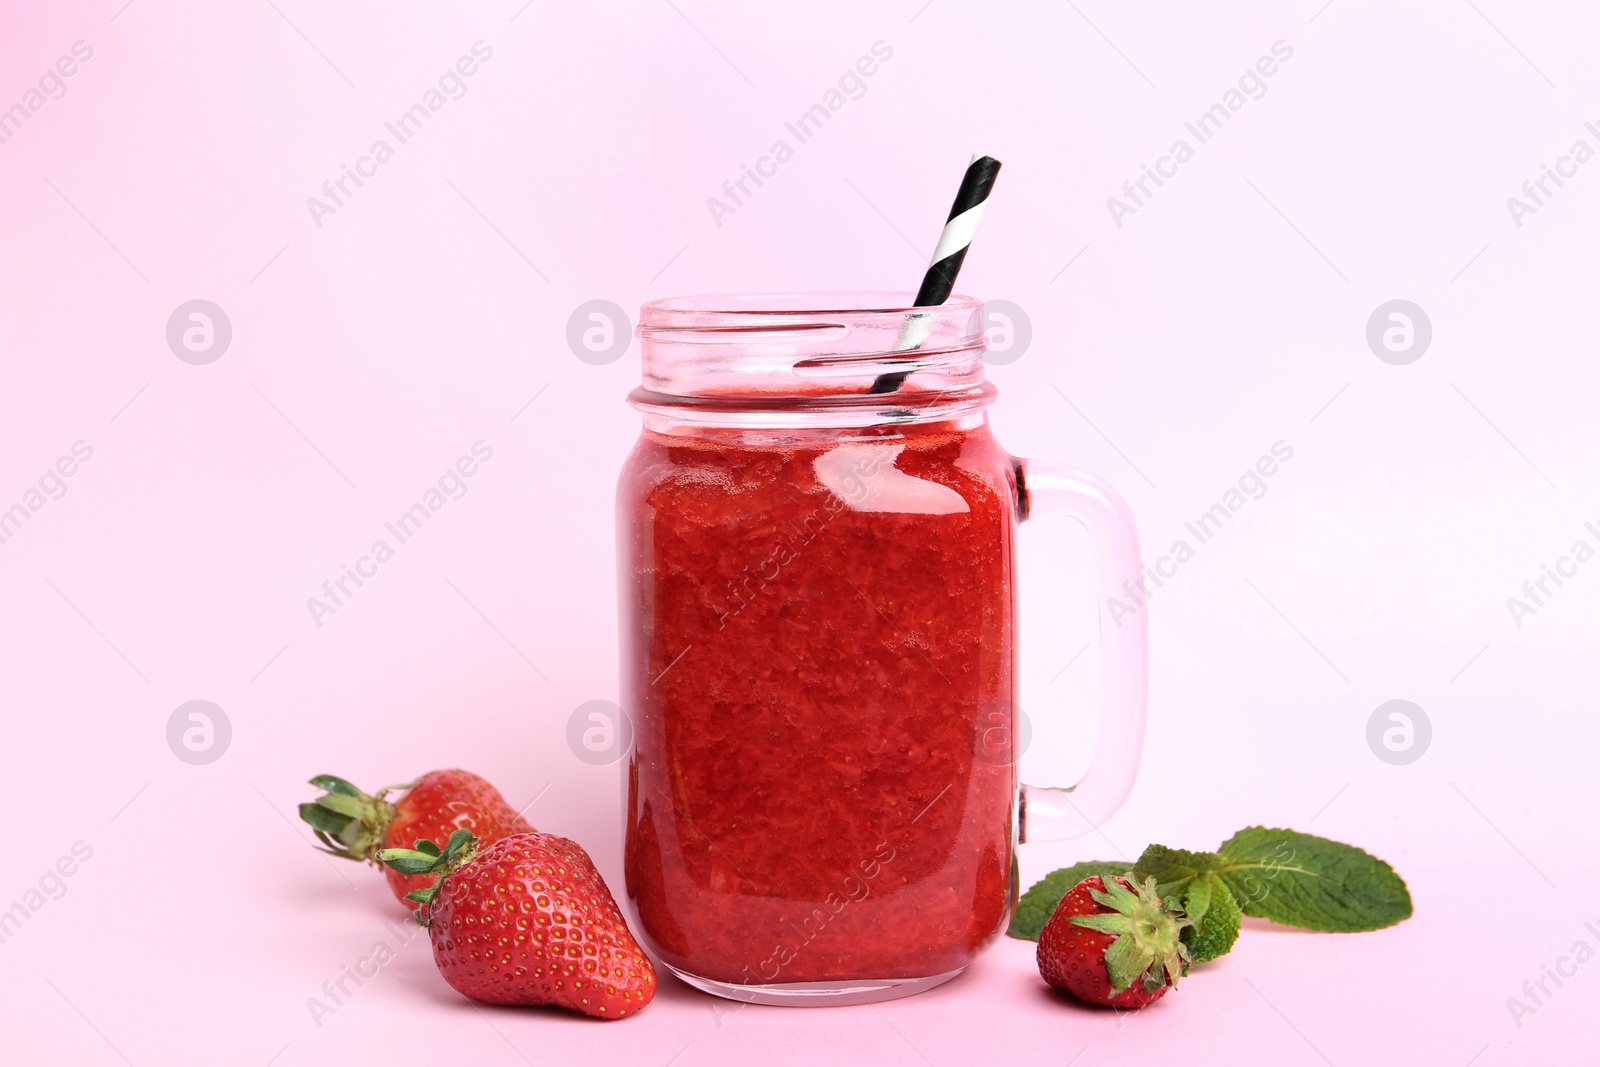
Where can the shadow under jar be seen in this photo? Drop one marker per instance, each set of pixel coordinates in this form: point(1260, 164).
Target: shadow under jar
point(818, 637)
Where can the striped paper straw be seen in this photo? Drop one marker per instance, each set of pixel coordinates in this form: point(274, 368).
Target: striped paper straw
point(940, 278)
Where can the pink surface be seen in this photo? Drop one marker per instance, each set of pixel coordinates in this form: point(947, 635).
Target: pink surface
point(429, 312)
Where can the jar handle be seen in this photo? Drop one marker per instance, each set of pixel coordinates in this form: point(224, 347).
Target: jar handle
point(1056, 814)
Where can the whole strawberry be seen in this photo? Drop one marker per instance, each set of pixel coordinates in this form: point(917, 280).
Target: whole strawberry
point(355, 825)
point(1113, 942)
point(527, 920)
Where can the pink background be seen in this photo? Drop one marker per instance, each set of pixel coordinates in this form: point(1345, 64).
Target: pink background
point(1226, 314)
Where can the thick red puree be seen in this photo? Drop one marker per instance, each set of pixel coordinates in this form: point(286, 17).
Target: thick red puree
point(819, 660)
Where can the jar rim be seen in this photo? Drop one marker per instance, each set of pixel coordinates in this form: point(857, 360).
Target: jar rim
point(790, 358)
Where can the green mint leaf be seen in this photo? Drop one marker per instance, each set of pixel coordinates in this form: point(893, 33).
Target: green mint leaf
point(1302, 880)
point(1173, 868)
point(1214, 915)
point(1039, 903)
point(1196, 898)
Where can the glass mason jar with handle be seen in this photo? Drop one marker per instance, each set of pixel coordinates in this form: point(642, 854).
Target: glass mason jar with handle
point(818, 634)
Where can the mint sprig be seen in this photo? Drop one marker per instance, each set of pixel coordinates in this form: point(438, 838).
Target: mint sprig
point(1288, 877)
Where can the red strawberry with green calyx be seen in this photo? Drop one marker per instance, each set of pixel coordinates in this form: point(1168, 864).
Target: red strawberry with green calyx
point(526, 920)
point(1111, 941)
point(356, 825)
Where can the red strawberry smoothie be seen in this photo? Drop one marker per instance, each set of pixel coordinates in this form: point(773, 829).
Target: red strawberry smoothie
point(819, 659)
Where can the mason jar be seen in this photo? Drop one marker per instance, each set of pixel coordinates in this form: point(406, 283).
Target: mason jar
point(818, 594)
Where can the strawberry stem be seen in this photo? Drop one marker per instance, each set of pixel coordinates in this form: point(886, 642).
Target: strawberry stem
point(1149, 947)
point(349, 823)
point(425, 857)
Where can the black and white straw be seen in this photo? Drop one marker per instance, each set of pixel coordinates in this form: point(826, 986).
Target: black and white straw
point(940, 277)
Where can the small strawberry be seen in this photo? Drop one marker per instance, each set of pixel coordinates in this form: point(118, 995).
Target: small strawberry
point(527, 920)
point(354, 825)
point(1113, 942)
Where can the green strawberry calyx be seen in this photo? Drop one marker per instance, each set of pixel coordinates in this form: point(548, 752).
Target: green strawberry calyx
point(426, 857)
point(349, 823)
point(1149, 946)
